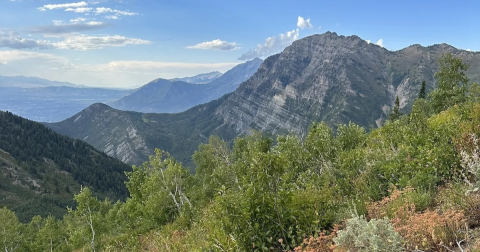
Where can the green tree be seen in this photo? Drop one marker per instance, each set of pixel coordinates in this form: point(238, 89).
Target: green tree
point(350, 136)
point(87, 209)
point(10, 231)
point(422, 94)
point(46, 234)
point(452, 83)
point(395, 114)
point(159, 191)
point(213, 169)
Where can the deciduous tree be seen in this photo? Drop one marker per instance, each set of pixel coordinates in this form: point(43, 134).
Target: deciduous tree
point(452, 83)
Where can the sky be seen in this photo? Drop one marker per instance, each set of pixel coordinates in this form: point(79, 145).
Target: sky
point(127, 43)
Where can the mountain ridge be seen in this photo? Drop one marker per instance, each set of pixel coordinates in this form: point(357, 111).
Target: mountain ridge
point(165, 96)
point(325, 77)
point(200, 78)
point(29, 82)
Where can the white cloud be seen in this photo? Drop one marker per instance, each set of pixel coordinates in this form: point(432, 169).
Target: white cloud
point(93, 23)
point(17, 55)
point(101, 10)
point(3, 63)
point(216, 44)
point(14, 41)
point(79, 10)
point(380, 43)
point(272, 45)
point(110, 74)
point(302, 23)
point(78, 20)
point(468, 50)
point(69, 41)
point(59, 28)
point(156, 65)
point(83, 42)
point(63, 6)
point(111, 17)
point(57, 22)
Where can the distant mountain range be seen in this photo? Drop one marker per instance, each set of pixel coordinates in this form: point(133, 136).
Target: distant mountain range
point(31, 82)
point(200, 78)
point(330, 78)
point(165, 96)
point(52, 101)
point(40, 170)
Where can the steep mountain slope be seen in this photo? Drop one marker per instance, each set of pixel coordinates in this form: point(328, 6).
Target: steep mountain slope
point(160, 96)
point(335, 79)
point(53, 104)
point(200, 78)
point(132, 136)
point(230, 81)
point(41, 169)
point(324, 77)
point(164, 96)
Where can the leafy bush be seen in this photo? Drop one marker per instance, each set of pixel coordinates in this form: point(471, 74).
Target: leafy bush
point(389, 206)
point(460, 197)
point(366, 236)
point(470, 160)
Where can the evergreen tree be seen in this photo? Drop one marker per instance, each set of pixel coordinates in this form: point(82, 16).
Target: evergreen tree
point(422, 94)
point(395, 115)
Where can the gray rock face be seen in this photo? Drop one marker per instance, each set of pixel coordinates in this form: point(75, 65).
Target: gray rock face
point(335, 79)
point(109, 130)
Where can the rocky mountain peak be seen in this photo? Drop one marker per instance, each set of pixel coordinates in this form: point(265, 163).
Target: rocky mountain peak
point(326, 77)
point(332, 78)
point(97, 107)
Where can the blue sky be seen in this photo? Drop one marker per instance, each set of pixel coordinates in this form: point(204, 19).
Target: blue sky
point(113, 43)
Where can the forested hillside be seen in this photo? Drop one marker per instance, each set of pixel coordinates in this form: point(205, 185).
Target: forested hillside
point(41, 169)
point(410, 185)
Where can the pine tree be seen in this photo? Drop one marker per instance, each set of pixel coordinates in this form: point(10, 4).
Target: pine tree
point(422, 94)
point(395, 115)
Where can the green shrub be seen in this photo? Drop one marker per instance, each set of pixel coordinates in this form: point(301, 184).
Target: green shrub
point(374, 235)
